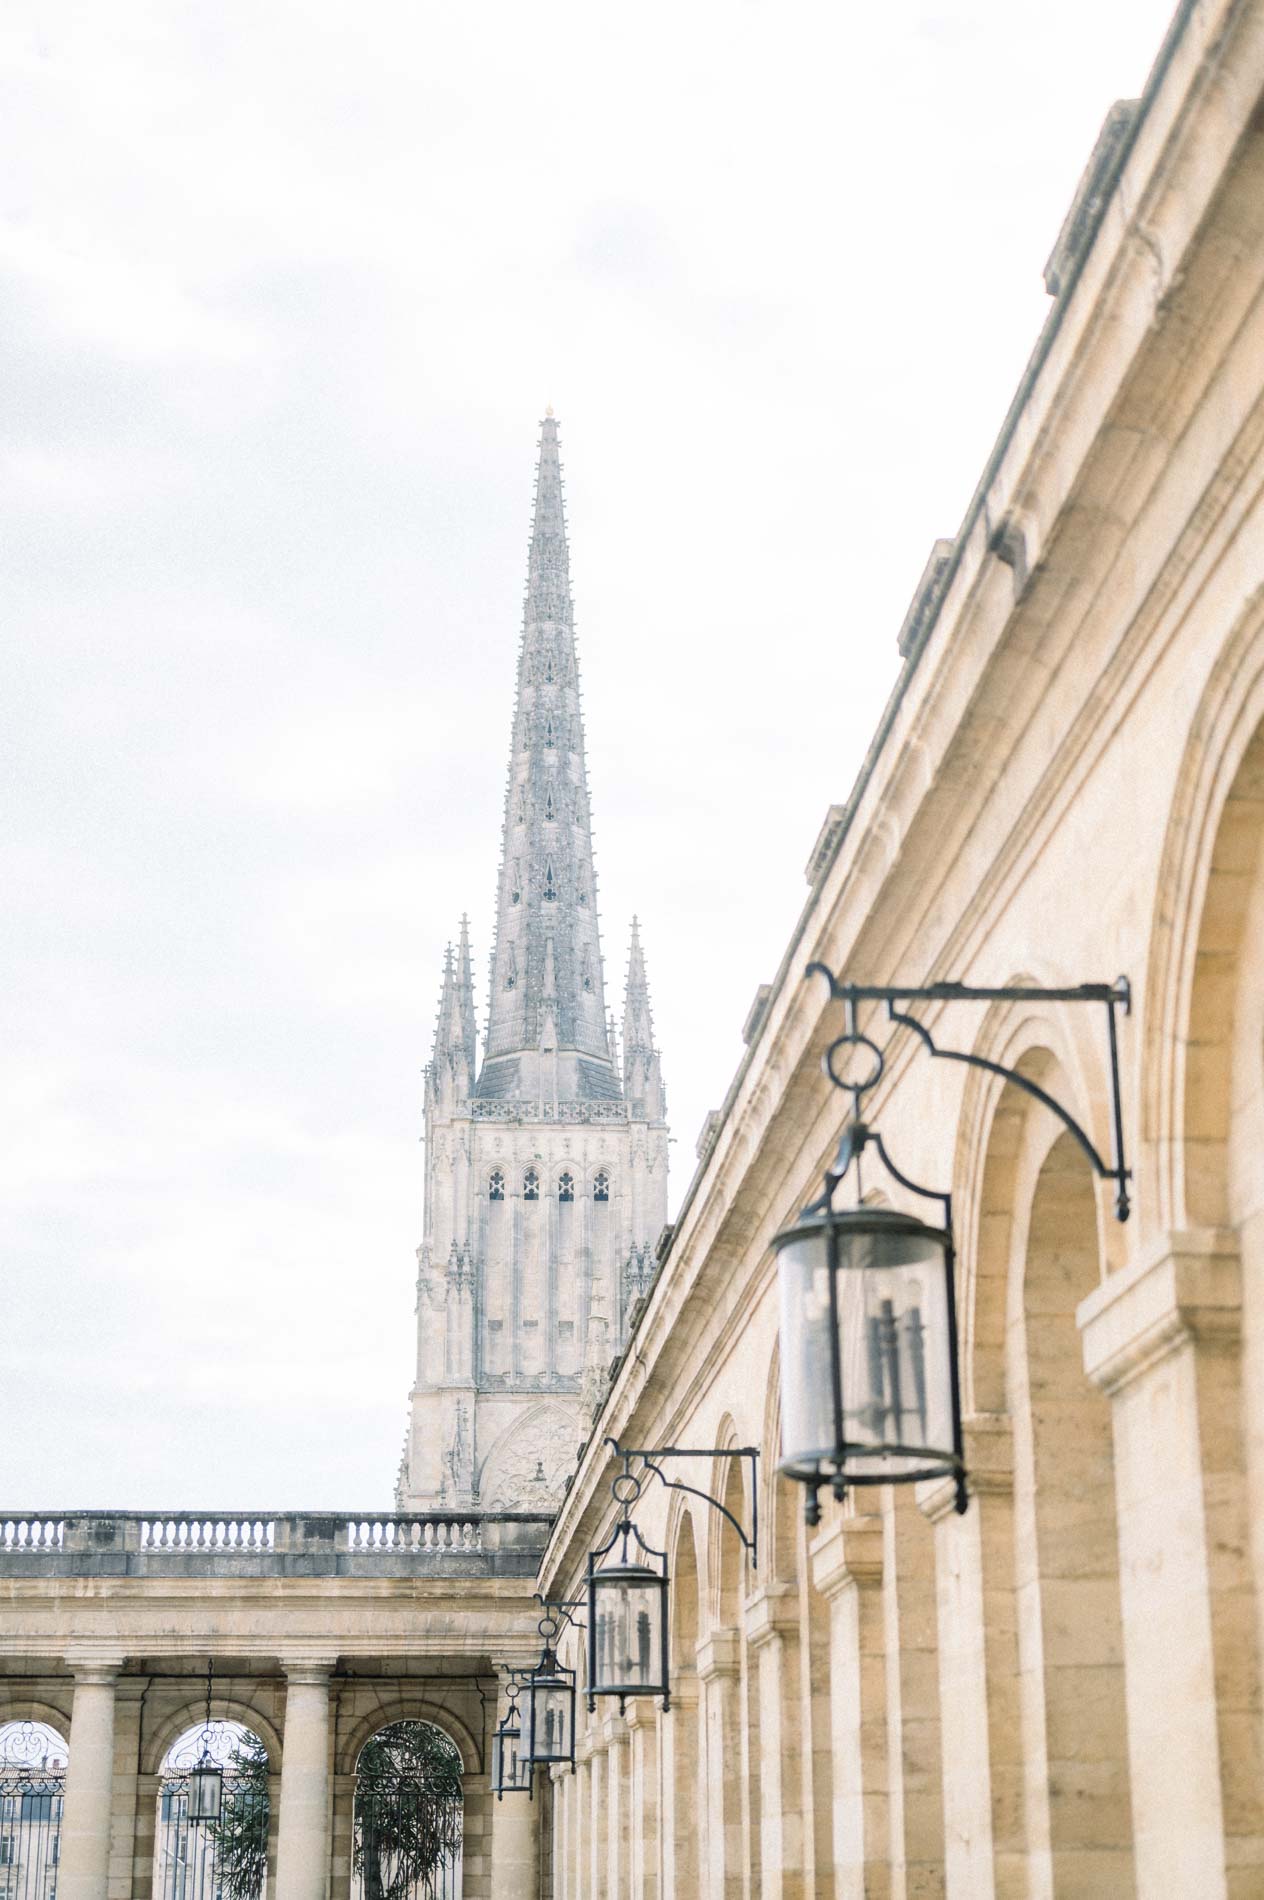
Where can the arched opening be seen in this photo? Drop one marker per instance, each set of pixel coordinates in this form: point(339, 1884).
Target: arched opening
point(33, 1759)
point(684, 1807)
point(407, 1825)
point(222, 1859)
point(1066, 1560)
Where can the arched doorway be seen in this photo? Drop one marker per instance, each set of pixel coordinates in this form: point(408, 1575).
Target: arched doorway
point(409, 1803)
point(32, 1776)
point(226, 1859)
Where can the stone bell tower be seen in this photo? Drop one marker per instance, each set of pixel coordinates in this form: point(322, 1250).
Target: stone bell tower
point(546, 1167)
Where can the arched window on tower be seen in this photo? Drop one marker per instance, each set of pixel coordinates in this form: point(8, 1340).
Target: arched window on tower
point(548, 732)
point(550, 885)
point(511, 970)
point(550, 810)
point(566, 1187)
point(530, 1185)
point(601, 1186)
point(496, 1186)
point(515, 894)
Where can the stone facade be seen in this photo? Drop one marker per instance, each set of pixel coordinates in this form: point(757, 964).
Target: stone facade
point(546, 1167)
point(1057, 1693)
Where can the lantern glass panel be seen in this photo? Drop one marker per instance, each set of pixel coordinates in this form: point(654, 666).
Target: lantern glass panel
point(510, 1769)
point(206, 1788)
point(893, 1346)
point(628, 1603)
point(550, 1712)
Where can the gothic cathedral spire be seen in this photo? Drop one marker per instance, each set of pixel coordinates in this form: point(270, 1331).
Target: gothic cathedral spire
point(546, 1024)
point(546, 1169)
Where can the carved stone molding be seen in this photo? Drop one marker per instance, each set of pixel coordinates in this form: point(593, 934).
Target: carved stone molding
point(1188, 1290)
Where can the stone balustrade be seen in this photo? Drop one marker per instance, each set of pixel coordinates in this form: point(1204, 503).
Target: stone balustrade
point(268, 1543)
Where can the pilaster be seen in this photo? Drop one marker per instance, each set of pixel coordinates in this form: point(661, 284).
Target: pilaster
point(1162, 1338)
point(847, 1569)
point(771, 1618)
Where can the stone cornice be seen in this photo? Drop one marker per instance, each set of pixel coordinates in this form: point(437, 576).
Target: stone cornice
point(1189, 1289)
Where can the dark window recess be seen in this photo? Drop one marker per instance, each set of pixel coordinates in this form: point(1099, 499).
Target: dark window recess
point(566, 1188)
point(494, 1325)
point(565, 1328)
point(496, 1187)
point(529, 1325)
point(601, 1187)
point(530, 1185)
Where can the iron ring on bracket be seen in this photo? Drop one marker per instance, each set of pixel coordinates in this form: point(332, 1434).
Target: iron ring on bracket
point(633, 1492)
point(853, 1039)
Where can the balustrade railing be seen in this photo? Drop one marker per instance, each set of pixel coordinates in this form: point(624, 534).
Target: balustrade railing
point(324, 1539)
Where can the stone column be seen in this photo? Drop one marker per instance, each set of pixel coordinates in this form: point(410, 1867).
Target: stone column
point(131, 1840)
point(515, 1856)
point(680, 1780)
point(581, 1818)
point(719, 1672)
point(595, 1861)
point(847, 1570)
point(1162, 1338)
point(85, 1824)
point(984, 1830)
point(560, 1846)
point(303, 1835)
point(516, 1847)
point(772, 1638)
point(642, 1720)
point(615, 1733)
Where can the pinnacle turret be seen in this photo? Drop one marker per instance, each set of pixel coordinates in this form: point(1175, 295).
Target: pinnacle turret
point(546, 1020)
point(453, 1055)
point(642, 1069)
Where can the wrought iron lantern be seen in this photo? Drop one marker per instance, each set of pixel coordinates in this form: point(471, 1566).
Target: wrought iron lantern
point(206, 1777)
point(869, 1368)
point(548, 1738)
point(627, 1611)
point(511, 1770)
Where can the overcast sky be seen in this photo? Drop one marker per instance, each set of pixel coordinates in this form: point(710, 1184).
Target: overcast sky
point(286, 289)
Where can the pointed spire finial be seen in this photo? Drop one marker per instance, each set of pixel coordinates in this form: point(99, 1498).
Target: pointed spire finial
point(547, 957)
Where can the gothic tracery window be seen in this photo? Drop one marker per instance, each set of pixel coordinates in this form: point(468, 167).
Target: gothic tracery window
point(511, 970)
point(496, 1186)
point(566, 1187)
point(549, 811)
point(530, 1185)
point(601, 1186)
point(548, 732)
point(550, 885)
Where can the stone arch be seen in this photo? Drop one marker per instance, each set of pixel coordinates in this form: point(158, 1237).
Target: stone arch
point(726, 1558)
point(684, 1817)
point(191, 1712)
point(1224, 1006)
point(383, 1796)
point(1066, 1546)
point(540, 1440)
point(1056, 1050)
point(19, 1706)
point(408, 1707)
point(779, 1537)
point(1204, 832)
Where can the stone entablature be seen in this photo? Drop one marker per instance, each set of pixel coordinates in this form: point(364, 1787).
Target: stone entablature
point(251, 1544)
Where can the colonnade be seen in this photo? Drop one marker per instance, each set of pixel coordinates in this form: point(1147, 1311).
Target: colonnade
point(106, 1838)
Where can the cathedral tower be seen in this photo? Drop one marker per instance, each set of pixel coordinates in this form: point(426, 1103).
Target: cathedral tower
point(546, 1167)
